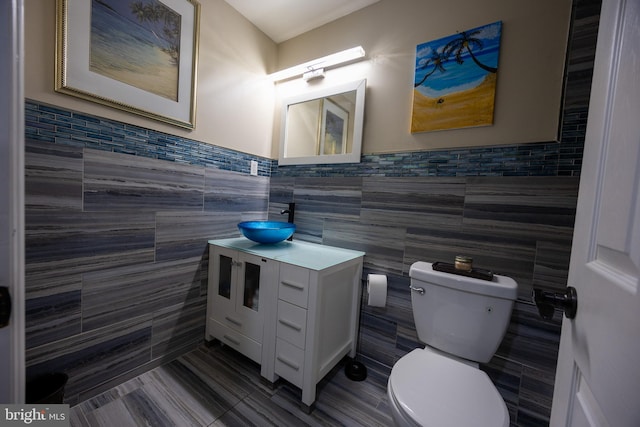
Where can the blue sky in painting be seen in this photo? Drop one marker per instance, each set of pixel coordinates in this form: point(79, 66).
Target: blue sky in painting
point(123, 9)
point(458, 77)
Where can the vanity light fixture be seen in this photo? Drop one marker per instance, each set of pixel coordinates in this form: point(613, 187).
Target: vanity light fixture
point(313, 75)
point(315, 68)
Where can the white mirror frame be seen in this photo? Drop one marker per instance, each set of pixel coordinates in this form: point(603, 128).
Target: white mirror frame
point(359, 87)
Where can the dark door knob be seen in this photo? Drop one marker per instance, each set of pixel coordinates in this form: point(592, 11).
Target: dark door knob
point(547, 302)
point(5, 306)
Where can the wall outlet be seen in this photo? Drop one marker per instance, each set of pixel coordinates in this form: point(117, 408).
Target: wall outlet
point(254, 168)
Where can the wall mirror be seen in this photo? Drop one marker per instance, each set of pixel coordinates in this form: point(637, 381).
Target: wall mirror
point(323, 126)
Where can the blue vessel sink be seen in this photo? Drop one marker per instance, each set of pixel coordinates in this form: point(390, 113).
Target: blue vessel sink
point(266, 231)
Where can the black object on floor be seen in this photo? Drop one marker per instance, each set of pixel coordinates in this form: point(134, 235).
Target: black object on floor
point(48, 388)
point(354, 370)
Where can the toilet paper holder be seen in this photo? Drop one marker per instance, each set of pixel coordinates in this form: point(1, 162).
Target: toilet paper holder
point(354, 369)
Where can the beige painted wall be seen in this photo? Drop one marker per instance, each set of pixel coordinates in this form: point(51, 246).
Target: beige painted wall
point(530, 76)
point(234, 99)
point(237, 107)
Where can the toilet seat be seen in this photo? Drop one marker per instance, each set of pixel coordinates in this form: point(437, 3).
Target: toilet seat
point(432, 390)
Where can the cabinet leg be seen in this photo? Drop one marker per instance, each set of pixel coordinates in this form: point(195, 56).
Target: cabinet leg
point(308, 397)
point(307, 409)
point(272, 385)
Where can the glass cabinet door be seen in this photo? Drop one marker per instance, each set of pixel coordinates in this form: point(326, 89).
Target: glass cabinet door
point(251, 286)
point(253, 274)
point(224, 276)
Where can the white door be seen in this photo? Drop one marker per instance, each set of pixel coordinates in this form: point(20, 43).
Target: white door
point(598, 376)
point(11, 198)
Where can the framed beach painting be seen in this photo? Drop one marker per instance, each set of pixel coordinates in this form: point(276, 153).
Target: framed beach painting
point(139, 56)
point(455, 80)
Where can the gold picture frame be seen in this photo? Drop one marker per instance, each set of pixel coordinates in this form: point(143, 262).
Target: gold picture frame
point(139, 56)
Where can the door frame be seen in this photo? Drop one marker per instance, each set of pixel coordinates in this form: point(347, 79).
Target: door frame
point(12, 192)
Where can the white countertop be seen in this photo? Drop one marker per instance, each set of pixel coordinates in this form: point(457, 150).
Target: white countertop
point(303, 254)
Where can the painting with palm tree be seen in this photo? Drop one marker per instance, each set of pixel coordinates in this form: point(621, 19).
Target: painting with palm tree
point(455, 80)
point(136, 42)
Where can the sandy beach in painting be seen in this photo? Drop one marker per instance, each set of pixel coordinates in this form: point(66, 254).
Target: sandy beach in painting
point(160, 78)
point(468, 108)
point(124, 49)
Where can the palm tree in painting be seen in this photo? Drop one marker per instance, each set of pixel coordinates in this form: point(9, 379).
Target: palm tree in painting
point(155, 11)
point(436, 60)
point(467, 42)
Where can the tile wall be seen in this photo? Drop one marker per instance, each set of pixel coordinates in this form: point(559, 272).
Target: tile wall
point(116, 230)
point(515, 226)
point(117, 219)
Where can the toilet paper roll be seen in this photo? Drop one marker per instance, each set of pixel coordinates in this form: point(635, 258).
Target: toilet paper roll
point(377, 290)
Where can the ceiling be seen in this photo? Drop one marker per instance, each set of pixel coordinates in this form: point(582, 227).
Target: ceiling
point(285, 19)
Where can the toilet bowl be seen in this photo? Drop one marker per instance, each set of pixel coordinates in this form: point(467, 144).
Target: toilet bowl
point(431, 390)
point(462, 321)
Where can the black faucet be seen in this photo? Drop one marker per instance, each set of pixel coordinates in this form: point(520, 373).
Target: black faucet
point(291, 211)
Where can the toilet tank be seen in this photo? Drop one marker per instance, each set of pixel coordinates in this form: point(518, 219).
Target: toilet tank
point(460, 315)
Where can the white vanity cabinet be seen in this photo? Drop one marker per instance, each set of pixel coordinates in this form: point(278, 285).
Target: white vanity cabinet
point(309, 300)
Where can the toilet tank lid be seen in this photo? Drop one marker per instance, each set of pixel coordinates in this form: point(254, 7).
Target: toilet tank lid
point(500, 287)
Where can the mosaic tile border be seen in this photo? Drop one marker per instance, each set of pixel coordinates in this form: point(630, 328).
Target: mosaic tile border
point(66, 127)
point(535, 159)
point(562, 158)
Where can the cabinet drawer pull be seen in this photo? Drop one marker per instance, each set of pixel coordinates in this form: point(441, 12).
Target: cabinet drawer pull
point(290, 324)
point(289, 363)
point(231, 339)
point(232, 320)
point(293, 285)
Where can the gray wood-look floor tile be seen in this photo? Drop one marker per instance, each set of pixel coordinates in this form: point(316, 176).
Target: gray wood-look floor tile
point(216, 386)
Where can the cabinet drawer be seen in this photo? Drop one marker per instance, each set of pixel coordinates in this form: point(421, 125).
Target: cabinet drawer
point(235, 340)
point(289, 362)
point(242, 322)
point(293, 285)
point(292, 323)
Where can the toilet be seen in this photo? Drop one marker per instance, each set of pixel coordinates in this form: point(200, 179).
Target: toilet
point(462, 321)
